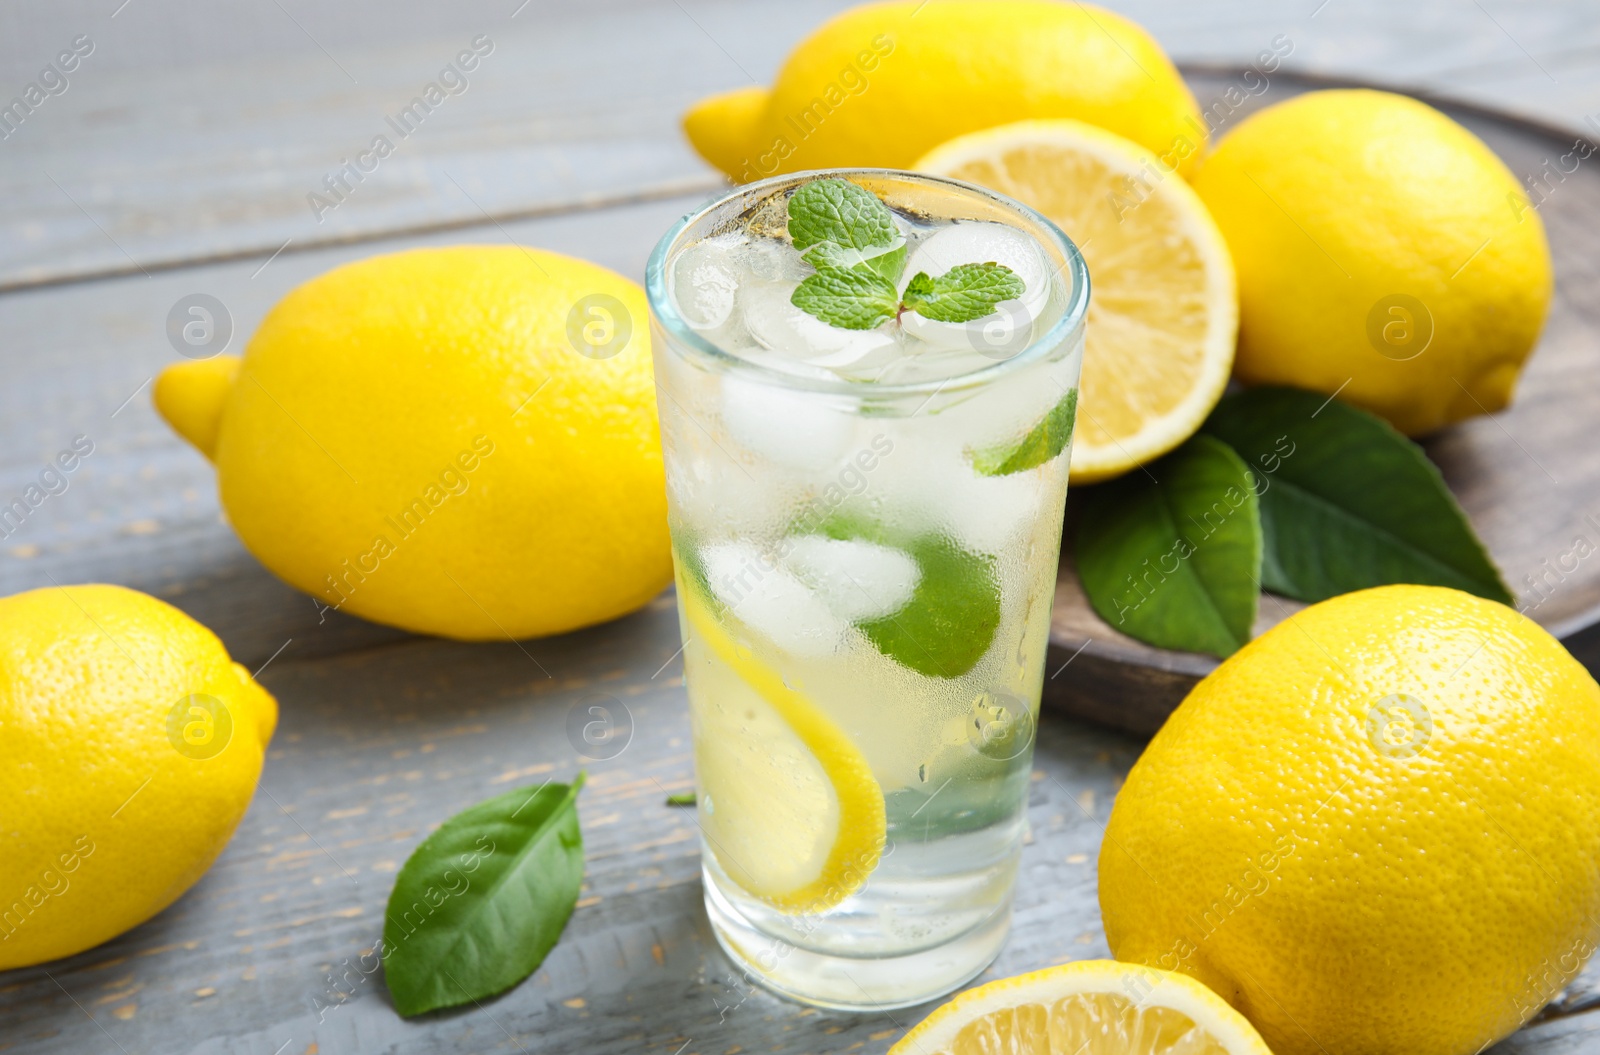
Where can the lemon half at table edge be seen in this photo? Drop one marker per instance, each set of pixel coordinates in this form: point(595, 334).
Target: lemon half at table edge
point(1125, 988)
point(862, 828)
point(1164, 312)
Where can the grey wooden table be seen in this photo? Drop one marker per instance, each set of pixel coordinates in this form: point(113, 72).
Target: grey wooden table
point(178, 160)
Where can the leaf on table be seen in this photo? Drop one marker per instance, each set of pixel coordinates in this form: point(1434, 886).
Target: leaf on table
point(1172, 556)
point(1347, 502)
point(1042, 443)
point(483, 900)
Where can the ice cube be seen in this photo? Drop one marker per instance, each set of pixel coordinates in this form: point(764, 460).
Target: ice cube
point(1007, 330)
point(797, 429)
point(705, 281)
point(770, 600)
point(777, 324)
point(770, 260)
point(934, 485)
point(857, 579)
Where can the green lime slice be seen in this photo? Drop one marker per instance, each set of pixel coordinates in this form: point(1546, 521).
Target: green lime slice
point(1042, 443)
point(951, 618)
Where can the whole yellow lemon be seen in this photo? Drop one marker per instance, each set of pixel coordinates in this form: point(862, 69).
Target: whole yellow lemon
point(1375, 828)
point(1384, 252)
point(882, 84)
point(131, 750)
point(459, 442)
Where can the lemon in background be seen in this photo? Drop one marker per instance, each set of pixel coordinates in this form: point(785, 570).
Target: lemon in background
point(457, 441)
point(132, 748)
point(1384, 252)
point(1376, 827)
point(1163, 313)
point(881, 84)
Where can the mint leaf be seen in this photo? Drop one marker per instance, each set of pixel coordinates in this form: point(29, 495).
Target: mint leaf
point(964, 293)
point(838, 211)
point(1347, 502)
point(1173, 556)
point(482, 901)
point(1042, 443)
point(886, 261)
point(951, 618)
point(857, 299)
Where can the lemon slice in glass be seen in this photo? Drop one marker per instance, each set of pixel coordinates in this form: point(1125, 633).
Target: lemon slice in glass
point(1093, 1007)
point(788, 804)
point(1164, 311)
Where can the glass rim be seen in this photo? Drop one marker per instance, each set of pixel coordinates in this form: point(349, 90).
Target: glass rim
point(678, 328)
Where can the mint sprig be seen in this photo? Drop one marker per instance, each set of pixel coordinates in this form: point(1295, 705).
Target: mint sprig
point(849, 235)
point(964, 293)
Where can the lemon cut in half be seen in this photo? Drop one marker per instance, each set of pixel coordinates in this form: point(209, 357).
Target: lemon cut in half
point(1164, 311)
point(789, 805)
point(1093, 1007)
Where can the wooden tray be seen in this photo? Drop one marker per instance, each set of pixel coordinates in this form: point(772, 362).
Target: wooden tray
point(1528, 477)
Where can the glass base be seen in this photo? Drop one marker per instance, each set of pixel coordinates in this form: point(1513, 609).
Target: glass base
point(844, 983)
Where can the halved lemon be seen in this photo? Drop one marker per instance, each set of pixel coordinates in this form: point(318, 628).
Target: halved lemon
point(1164, 307)
point(788, 803)
point(1093, 1007)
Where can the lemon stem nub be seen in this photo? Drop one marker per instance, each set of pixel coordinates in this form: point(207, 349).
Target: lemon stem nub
point(191, 395)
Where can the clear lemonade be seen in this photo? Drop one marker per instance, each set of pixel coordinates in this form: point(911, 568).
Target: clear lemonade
point(867, 382)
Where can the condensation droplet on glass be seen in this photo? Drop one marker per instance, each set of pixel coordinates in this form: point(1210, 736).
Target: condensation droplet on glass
point(705, 800)
point(922, 772)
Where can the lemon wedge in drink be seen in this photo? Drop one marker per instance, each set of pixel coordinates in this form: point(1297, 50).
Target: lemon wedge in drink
point(1093, 1007)
point(1164, 313)
point(788, 804)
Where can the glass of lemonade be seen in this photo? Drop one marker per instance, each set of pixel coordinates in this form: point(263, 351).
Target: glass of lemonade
point(867, 381)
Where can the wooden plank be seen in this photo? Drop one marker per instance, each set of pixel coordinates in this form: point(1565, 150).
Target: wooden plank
point(383, 736)
point(376, 747)
point(179, 139)
point(137, 169)
point(1528, 477)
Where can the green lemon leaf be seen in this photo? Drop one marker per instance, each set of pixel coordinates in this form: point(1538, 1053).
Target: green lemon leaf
point(964, 293)
point(838, 211)
point(1347, 502)
point(481, 902)
point(1172, 556)
point(857, 299)
point(951, 618)
point(1042, 443)
point(681, 798)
